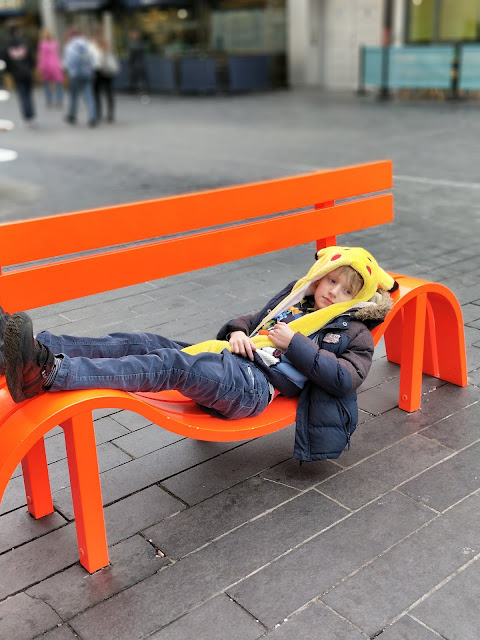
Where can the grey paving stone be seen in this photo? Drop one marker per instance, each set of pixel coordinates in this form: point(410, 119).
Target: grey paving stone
point(145, 440)
point(217, 619)
point(22, 618)
point(108, 428)
point(132, 421)
point(384, 396)
point(38, 559)
point(473, 357)
point(382, 431)
point(78, 303)
point(169, 594)
point(374, 596)
point(379, 353)
point(163, 308)
point(381, 398)
point(146, 471)
point(379, 432)
point(293, 580)
point(14, 496)
point(300, 476)
point(453, 611)
point(448, 482)
point(190, 529)
point(18, 527)
point(110, 456)
point(61, 632)
point(138, 511)
point(472, 335)
point(381, 371)
point(213, 476)
point(458, 430)
point(101, 309)
point(96, 326)
point(446, 400)
point(316, 622)
point(474, 377)
point(103, 413)
point(53, 323)
point(55, 448)
point(407, 629)
point(384, 471)
point(73, 590)
point(471, 312)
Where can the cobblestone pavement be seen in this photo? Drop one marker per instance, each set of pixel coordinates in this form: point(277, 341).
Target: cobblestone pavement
point(385, 541)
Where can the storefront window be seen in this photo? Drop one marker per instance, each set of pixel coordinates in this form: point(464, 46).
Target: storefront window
point(166, 30)
point(421, 20)
point(228, 26)
point(249, 29)
point(443, 21)
point(459, 20)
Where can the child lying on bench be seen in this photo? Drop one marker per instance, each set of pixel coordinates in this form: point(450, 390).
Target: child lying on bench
point(312, 340)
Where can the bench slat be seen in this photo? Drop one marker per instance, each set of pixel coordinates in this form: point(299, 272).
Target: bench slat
point(38, 286)
point(70, 233)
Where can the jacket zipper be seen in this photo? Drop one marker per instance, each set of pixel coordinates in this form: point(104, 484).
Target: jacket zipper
point(347, 426)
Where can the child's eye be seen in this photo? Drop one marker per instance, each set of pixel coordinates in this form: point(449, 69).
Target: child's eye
point(348, 292)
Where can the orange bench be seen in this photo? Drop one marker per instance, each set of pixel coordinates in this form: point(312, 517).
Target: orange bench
point(114, 247)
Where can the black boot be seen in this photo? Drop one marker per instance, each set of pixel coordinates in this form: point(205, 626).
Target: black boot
point(4, 316)
point(27, 362)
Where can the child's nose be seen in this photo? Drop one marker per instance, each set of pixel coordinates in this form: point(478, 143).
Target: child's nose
point(335, 290)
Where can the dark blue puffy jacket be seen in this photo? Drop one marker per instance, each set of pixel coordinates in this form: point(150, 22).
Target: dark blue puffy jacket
point(336, 361)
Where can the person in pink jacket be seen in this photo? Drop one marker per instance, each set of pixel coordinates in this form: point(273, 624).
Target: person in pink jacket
point(50, 67)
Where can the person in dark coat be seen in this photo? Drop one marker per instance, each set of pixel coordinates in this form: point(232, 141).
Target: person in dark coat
point(20, 64)
point(137, 67)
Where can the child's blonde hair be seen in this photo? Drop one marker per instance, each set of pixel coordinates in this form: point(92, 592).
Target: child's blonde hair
point(355, 280)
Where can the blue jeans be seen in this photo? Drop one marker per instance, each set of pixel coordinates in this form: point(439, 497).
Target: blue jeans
point(49, 93)
point(224, 384)
point(83, 86)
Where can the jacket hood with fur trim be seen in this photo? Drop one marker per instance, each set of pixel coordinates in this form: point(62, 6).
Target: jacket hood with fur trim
point(372, 302)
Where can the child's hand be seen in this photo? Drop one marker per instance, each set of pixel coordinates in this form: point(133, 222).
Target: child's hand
point(241, 344)
point(281, 335)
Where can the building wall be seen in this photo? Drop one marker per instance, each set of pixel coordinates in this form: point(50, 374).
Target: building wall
point(324, 39)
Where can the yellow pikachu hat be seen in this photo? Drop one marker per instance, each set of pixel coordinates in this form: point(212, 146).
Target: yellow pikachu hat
point(328, 259)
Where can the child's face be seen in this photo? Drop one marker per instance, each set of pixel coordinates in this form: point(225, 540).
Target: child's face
point(333, 287)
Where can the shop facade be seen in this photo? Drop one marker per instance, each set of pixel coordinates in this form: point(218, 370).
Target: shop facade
point(217, 45)
point(326, 37)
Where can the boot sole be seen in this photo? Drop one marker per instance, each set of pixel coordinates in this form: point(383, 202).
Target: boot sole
point(17, 328)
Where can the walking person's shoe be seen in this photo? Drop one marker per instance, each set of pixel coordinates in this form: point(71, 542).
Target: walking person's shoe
point(4, 316)
point(27, 362)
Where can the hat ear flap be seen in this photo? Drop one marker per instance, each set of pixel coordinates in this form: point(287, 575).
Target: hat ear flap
point(321, 252)
point(385, 281)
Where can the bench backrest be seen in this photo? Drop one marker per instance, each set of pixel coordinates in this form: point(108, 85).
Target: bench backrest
point(51, 259)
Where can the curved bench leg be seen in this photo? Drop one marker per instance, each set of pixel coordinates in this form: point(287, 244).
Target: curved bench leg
point(86, 491)
point(450, 337)
point(36, 480)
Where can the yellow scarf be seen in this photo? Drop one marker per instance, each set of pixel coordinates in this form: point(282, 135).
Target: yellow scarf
point(328, 259)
